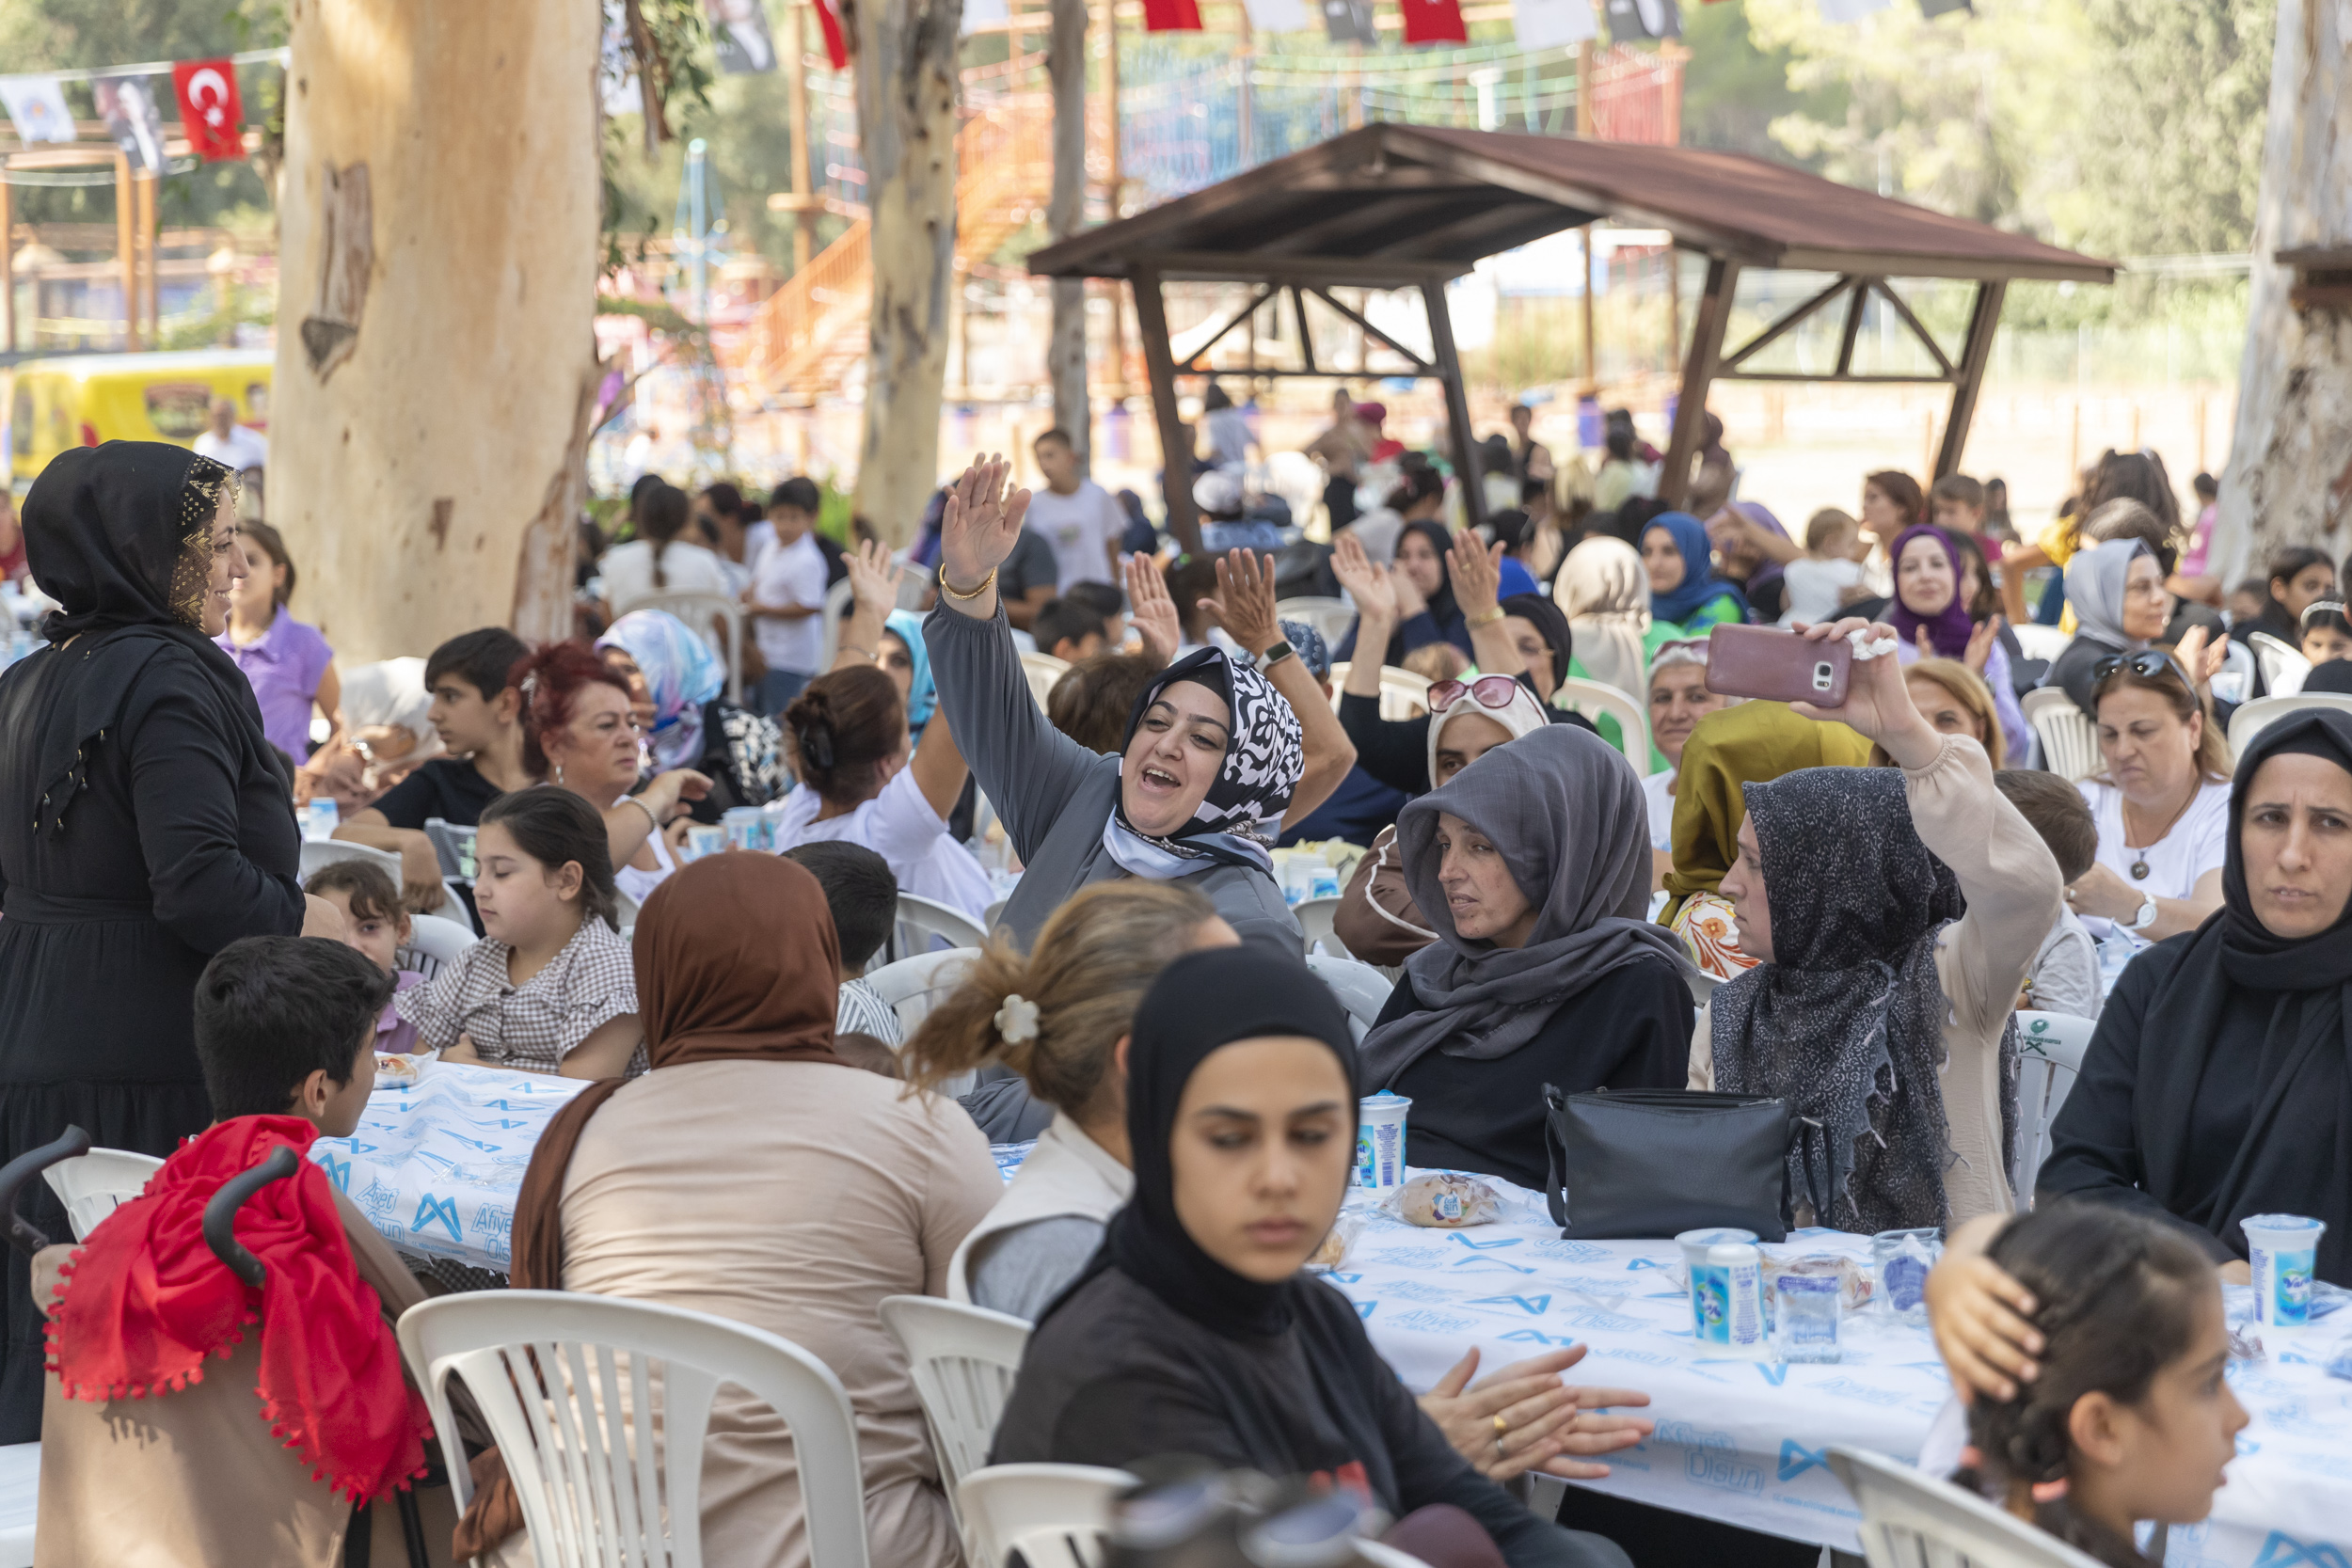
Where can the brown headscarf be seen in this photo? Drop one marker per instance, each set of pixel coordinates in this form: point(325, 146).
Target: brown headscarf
point(737, 959)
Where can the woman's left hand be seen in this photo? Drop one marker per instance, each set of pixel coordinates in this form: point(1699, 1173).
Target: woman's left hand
point(2100, 891)
point(2202, 655)
point(668, 789)
point(1542, 1419)
point(874, 578)
point(1153, 613)
point(1980, 644)
point(1244, 602)
point(1476, 571)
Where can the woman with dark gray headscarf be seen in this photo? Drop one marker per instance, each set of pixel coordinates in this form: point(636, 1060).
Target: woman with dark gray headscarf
point(1896, 915)
point(1533, 867)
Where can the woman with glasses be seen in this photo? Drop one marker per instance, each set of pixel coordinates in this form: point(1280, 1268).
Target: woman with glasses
point(2118, 598)
point(2163, 801)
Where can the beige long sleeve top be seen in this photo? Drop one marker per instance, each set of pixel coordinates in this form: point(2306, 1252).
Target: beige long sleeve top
point(2015, 895)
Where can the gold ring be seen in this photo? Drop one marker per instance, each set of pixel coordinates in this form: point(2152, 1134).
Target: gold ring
point(1501, 1425)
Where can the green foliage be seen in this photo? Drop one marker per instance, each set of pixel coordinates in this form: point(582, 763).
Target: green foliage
point(1732, 89)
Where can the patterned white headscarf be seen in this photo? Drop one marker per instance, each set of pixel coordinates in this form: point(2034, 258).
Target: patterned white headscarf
point(1235, 822)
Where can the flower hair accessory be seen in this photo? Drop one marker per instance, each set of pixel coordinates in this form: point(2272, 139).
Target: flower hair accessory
point(1016, 1020)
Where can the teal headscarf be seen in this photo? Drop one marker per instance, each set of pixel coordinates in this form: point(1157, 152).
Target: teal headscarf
point(922, 697)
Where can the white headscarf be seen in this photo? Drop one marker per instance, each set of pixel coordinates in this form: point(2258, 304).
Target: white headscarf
point(1523, 717)
point(1604, 592)
point(391, 693)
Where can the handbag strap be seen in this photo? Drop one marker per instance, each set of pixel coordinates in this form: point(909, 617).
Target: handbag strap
point(1555, 1157)
point(1804, 1132)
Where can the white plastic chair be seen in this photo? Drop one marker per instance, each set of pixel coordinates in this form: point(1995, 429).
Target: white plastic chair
point(708, 614)
point(2051, 1047)
point(2070, 746)
point(98, 1183)
point(2258, 715)
point(599, 1483)
point(1593, 698)
point(1314, 921)
point(837, 610)
point(19, 1499)
point(2285, 669)
point(922, 919)
point(962, 1361)
point(1910, 1520)
point(995, 914)
point(1331, 617)
point(1402, 694)
point(1362, 990)
point(431, 942)
point(2036, 641)
point(319, 852)
point(1044, 670)
point(2235, 683)
point(911, 986)
point(1054, 1515)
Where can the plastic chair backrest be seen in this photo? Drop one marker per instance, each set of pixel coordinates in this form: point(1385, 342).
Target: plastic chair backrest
point(837, 610)
point(921, 919)
point(624, 912)
point(706, 614)
point(2284, 668)
point(2070, 746)
point(1401, 690)
point(911, 986)
point(98, 1183)
point(2235, 683)
point(2039, 641)
point(319, 852)
point(20, 1502)
point(1054, 1515)
point(1911, 1521)
point(1362, 990)
point(1593, 698)
point(565, 1381)
point(431, 942)
point(1044, 670)
point(1314, 921)
point(2260, 714)
point(1331, 617)
point(962, 1361)
point(2051, 1054)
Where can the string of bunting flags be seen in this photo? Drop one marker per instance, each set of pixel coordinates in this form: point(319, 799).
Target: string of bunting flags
point(126, 97)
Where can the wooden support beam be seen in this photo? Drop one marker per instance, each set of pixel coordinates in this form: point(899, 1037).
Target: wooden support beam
point(1175, 453)
point(1860, 291)
point(1976, 355)
point(1698, 376)
point(1927, 339)
point(1192, 365)
point(1420, 365)
point(1457, 403)
point(1306, 336)
point(152, 284)
point(1787, 323)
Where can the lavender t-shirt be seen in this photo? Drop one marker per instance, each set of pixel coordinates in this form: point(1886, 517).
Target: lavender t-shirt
point(284, 664)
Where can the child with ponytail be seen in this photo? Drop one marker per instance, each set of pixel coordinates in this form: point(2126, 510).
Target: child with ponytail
point(2090, 1345)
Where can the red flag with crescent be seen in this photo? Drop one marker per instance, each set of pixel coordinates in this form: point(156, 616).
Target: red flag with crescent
point(1433, 22)
point(210, 115)
point(1171, 16)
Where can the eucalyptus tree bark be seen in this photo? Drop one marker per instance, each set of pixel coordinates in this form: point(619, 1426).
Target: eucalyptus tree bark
point(1065, 209)
point(2290, 474)
point(437, 367)
point(905, 61)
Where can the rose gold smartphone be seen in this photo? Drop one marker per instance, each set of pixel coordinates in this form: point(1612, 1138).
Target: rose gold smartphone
point(1766, 661)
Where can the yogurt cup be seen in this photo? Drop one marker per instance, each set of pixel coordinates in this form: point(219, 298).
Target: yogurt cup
point(1710, 1291)
point(1380, 1141)
point(2283, 1251)
point(1737, 1267)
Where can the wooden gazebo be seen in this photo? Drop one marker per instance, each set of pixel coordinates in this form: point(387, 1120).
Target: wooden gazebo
point(1411, 206)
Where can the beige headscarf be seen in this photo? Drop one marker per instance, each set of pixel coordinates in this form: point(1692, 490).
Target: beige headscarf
point(1605, 595)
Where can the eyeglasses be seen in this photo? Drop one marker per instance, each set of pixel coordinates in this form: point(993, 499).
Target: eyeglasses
point(1491, 691)
point(2148, 664)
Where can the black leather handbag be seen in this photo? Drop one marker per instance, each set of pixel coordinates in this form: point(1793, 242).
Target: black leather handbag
point(1660, 1161)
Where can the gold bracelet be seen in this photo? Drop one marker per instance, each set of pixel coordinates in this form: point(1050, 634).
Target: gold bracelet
point(954, 593)
point(1484, 618)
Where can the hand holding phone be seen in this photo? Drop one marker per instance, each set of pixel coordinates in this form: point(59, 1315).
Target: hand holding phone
point(1777, 665)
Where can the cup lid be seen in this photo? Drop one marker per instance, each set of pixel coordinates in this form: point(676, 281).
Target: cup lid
point(2281, 1222)
point(1715, 1235)
point(1384, 1099)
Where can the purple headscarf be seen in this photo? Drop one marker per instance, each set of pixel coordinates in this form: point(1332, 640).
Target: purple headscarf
point(1948, 631)
point(1768, 571)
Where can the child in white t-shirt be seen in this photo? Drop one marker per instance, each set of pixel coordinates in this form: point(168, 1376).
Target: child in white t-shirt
point(787, 595)
point(1817, 580)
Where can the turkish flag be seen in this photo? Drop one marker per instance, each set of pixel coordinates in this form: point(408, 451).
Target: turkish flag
point(1433, 22)
point(210, 114)
point(1171, 16)
point(836, 46)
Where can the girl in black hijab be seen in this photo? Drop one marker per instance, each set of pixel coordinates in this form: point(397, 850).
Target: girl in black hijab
point(2220, 1082)
point(145, 824)
point(1192, 1332)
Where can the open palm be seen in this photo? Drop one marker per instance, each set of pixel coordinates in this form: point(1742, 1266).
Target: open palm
point(1367, 581)
point(874, 578)
point(981, 522)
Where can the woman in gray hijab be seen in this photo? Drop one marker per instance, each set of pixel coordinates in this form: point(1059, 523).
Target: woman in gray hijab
point(1533, 867)
point(2116, 591)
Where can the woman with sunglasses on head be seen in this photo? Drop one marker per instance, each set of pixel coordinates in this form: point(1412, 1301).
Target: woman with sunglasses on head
point(2163, 801)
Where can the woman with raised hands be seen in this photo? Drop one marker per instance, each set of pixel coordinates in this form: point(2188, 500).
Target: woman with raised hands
point(1213, 757)
point(1934, 620)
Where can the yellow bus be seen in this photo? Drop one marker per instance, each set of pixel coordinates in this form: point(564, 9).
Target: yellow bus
point(80, 400)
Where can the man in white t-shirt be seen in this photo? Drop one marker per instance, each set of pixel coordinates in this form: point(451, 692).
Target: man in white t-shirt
point(1077, 516)
point(787, 595)
point(230, 443)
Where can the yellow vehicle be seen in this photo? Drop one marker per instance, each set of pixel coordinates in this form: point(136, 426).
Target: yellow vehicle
point(80, 400)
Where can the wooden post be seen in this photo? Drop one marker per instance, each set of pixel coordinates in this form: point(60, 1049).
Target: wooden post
point(1592, 348)
point(804, 156)
point(1175, 451)
point(1064, 210)
point(1246, 127)
point(7, 277)
point(1456, 402)
point(145, 184)
point(1975, 356)
point(1698, 376)
point(1115, 176)
point(1584, 91)
point(126, 203)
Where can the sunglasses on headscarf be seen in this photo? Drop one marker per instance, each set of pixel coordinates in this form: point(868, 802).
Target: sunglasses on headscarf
point(1493, 691)
point(2149, 664)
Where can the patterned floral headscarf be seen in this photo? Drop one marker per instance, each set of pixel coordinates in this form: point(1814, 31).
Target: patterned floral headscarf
point(1235, 822)
point(681, 675)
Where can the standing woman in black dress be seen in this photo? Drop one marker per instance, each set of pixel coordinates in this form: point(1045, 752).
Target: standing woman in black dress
point(145, 824)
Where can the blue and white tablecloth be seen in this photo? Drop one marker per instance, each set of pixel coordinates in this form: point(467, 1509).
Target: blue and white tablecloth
point(1745, 1441)
point(436, 1167)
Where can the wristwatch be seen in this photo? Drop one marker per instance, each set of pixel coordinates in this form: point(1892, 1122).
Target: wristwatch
point(2147, 916)
point(1275, 656)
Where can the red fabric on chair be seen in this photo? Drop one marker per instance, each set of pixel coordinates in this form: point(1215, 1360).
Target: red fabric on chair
point(1433, 22)
point(146, 1302)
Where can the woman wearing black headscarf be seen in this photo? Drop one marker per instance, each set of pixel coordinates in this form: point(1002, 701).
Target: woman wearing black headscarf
point(2220, 1082)
point(148, 824)
point(1192, 1331)
point(1533, 867)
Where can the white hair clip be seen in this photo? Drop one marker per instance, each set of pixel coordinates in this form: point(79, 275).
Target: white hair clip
point(1865, 646)
point(1016, 1020)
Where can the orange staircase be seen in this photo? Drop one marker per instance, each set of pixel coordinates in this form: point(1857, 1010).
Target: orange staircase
point(809, 334)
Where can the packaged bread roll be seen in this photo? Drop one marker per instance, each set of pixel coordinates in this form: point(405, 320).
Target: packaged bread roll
point(1445, 1198)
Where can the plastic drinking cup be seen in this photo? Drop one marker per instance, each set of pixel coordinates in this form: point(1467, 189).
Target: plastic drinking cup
point(2282, 1250)
point(1709, 1292)
point(1805, 1326)
point(1380, 1141)
point(1903, 1260)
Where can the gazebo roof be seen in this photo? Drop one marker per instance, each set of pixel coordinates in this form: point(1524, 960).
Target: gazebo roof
point(1402, 204)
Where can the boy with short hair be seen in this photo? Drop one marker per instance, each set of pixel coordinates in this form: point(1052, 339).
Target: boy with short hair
point(1957, 504)
point(1075, 515)
point(285, 1026)
point(864, 898)
point(2065, 975)
point(1109, 605)
point(1068, 630)
point(787, 594)
point(478, 715)
point(378, 927)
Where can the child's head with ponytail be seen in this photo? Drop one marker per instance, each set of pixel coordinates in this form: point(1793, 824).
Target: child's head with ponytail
point(1056, 1015)
point(2130, 1416)
point(849, 731)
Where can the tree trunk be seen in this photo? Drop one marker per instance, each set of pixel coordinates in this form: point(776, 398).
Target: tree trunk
point(1066, 351)
point(437, 368)
point(906, 112)
point(2290, 474)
